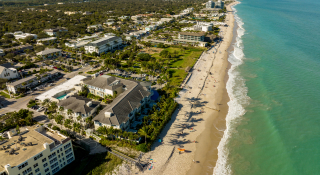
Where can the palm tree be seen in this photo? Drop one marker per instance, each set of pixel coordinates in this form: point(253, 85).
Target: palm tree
point(46, 102)
point(144, 132)
point(69, 112)
point(61, 108)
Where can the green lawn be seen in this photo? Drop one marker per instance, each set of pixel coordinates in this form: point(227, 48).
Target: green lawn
point(178, 65)
point(177, 76)
point(84, 164)
point(186, 57)
point(4, 94)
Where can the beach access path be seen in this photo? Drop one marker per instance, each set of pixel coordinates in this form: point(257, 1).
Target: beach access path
point(199, 106)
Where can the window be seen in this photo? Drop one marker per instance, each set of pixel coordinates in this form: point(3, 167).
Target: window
point(61, 154)
point(69, 155)
point(52, 155)
point(70, 160)
point(45, 159)
point(37, 170)
point(35, 165)
point(58, 156)
point(23, 165)
point(27, 171)
point(30, 173)
point(55, 170)
point(67, 146)
point(48, 174)
point(58, 151)
point(46, 164)
point(46, 170)
point(68, 150)
point(53, 160)
point(39, 174)
point(54, 165)
point(38, 156)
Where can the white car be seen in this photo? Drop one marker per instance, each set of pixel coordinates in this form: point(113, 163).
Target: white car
point(40, 109)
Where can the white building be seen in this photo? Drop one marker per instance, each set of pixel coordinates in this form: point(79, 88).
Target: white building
point(35, 151)
point(219, 4)
point(103, 45)
point(21, 35)
point(200, 26)
point(64, 90)
point(46, 40)
point(210, 4)
point(8, 73)
point(188, 10)
point(53, 32)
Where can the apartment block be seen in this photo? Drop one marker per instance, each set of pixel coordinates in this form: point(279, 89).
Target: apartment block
point(36, 150)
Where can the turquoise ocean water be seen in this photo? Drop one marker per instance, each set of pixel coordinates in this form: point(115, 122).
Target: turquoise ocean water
point(273, 123)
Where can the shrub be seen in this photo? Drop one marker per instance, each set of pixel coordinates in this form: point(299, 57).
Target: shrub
point(56, 128)
point(49, 125)
point(142, 147)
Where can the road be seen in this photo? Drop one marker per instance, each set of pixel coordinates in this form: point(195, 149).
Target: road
point(10, 105)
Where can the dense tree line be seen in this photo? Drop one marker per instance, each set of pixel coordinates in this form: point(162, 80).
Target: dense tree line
point(16, 18)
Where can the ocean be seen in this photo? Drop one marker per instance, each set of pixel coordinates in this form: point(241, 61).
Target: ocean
point(273, 122)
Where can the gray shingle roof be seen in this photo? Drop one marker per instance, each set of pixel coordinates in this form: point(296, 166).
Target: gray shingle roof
point(102, 82)
point(78, 104)
point(123, 105)
point(48, 51)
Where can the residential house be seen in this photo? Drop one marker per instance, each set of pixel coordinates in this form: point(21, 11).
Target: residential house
point(79, 106)
point(53, 32)
point(103, 45)
point(21, 35)
point(95, 28)
point(71, 12)
point(87, 13)
point(122, 111)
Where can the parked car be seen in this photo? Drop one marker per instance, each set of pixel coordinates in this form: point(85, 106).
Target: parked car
point(40, 109)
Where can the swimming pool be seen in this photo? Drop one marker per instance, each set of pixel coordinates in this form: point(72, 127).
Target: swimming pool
point(61, 97)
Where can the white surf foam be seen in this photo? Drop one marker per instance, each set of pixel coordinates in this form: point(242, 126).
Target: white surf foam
point(237, 92)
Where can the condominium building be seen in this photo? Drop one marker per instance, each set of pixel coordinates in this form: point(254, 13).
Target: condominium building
point(103, 45)
point(219, 4)
point(36, 150)
point(79, 106)
point(191, 36)
point(122, 111)
point(210, 4)
point(105, 85)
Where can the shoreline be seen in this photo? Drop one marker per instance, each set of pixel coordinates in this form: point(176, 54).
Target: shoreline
point(199, 118)
point(207, 151)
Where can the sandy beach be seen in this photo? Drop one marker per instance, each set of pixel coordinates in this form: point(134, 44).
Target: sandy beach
point(199, 123)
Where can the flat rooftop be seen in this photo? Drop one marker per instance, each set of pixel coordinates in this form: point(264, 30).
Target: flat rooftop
point(62, 87)
point(21, 151)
